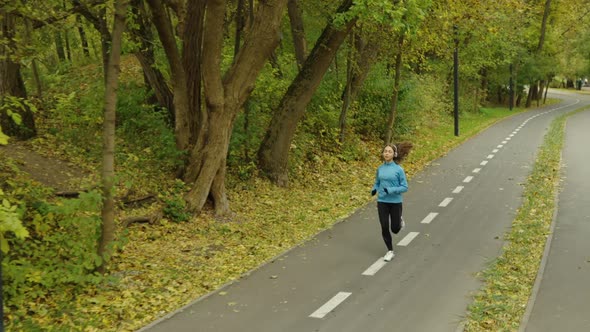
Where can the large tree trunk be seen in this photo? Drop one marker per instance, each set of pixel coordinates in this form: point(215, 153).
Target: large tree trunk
point(274, 151)
point(192, 60)
point(539, 95)
point(108, 162)
point(207, 163)
point(11, 82)
point(296, 18)
point(225, 96)
point(531, 95)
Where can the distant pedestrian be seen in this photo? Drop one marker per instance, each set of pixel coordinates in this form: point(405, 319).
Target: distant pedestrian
point(390, 184)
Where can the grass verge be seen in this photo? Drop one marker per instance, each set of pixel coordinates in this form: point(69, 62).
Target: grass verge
point(508, 280)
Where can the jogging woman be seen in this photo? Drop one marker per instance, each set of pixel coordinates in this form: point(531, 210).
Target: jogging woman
point(390, 184)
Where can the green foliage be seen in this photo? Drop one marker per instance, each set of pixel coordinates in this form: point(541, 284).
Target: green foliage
point(76, 121)
point(175, 205)
point(250, 125)
point(420, 97)
point(144, 132)
point(3, 137)
point(12, 106)
point(10, 221)
point(61, 252)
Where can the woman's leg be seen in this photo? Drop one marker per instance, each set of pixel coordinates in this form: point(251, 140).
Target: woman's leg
point(396, 217)
point(383, 210)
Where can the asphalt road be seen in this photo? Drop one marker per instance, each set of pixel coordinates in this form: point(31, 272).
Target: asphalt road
point(456, 213)
point(562, 298)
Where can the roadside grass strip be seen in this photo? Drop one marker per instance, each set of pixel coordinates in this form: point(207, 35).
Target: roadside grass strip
point(509, 279)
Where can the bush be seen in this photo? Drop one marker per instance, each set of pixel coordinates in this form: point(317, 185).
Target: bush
point(175, 205)
point(61, 253)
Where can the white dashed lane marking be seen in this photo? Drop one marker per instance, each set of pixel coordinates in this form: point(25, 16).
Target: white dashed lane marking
point(330, 305)
point(429, 218)
point(375, 267)
point(446, 202)
point(407, 239)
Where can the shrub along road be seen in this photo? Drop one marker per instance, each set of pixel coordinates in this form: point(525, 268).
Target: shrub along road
point(457, 211)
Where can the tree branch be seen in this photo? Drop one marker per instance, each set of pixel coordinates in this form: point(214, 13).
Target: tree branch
point(78, 8)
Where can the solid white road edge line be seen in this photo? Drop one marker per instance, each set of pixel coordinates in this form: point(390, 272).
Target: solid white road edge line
point(330, 305)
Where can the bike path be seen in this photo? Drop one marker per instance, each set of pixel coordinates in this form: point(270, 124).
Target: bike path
point(561, 300)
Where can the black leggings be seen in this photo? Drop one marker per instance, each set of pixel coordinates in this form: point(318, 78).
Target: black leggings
point(389, 212)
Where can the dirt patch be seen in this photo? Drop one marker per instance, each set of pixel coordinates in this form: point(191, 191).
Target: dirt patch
point(57, 174)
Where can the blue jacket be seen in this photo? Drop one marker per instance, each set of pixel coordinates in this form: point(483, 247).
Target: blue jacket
point(392, 177)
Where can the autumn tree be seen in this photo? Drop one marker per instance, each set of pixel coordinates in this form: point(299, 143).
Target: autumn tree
point(108, 136)
point(273, 154)
point(274, 151)
point(204, 132)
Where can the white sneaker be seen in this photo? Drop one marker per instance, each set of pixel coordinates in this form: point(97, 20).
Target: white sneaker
point(403, 224)
point(388, 256)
